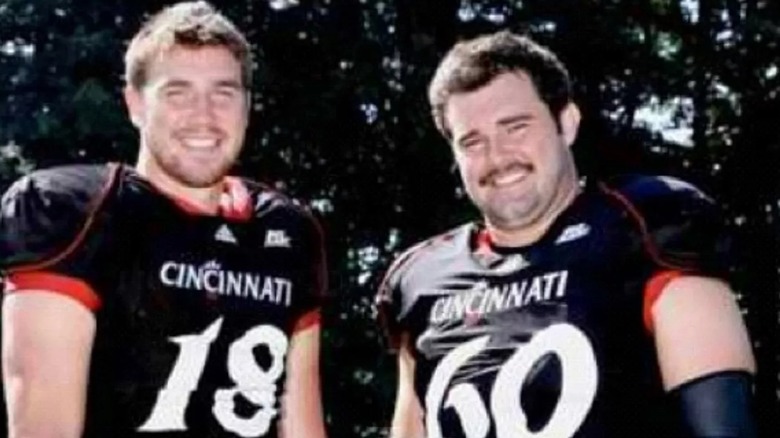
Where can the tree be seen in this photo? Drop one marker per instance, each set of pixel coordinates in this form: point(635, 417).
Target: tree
point(340, 120)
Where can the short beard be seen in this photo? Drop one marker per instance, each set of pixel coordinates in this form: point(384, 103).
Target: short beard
point(177, 170)
point(510, 217)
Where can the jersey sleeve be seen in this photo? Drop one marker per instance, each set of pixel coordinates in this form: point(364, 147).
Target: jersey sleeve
point(45, 223)
point(309, 309)
point(392, 308)
point(681, 232)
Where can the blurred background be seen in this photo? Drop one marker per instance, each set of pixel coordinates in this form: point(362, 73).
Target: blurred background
point(689, 88)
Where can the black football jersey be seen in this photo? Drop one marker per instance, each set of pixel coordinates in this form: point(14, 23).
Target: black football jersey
point(552, 339)
point(194, 312)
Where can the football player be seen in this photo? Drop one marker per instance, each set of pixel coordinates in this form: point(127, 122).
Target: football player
point(166, 299)
point(596, 311)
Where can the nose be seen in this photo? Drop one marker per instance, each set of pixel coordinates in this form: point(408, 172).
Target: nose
point(202, 108)
point(501, 148)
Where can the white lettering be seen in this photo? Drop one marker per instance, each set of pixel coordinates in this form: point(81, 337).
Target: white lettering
point(208, 285)
point(483, 300)
point(164, 277)
point(212, 279)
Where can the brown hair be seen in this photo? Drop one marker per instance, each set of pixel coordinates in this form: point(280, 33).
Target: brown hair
point(472, 64)
point(192, 24)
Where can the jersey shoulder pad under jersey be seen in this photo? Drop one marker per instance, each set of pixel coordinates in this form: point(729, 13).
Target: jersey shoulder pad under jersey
point(681, 227)
point(397, 295)
point(44, 215)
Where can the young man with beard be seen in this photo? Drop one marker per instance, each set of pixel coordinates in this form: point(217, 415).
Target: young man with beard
point(567, 311)
point(168, 299)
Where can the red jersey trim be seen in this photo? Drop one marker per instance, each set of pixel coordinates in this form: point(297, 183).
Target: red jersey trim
point(20, 282)
point(235, 202)
point(309, 319)
point(653, 290)
point(483, 242)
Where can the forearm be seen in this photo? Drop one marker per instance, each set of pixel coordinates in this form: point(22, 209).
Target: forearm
point(302, 405)
point(716, 405)
point(406, 425)
point(37, 410)
point(408, 414)
point(302, 421)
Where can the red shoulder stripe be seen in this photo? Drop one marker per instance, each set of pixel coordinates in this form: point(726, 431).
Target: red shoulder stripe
point(309, 319)
point(653, 289)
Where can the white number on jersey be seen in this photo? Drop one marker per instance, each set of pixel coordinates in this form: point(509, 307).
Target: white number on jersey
point(578, 387)
point(254, 383)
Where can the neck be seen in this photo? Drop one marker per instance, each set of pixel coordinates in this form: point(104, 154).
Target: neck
point(203, 199)
point(527, 234)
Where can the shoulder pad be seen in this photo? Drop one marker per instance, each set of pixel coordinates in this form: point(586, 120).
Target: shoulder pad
point(44, 213)
point(266, 199)
point(682, 228)
point(393, 303)
point(665, 191)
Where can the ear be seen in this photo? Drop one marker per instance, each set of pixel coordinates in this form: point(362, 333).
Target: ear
point(569, 120)
point(135, 105)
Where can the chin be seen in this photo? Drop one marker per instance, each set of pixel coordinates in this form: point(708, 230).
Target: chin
point(512, 218)
point(199, 180)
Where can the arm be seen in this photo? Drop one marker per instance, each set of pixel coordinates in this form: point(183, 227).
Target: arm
point(701, 340)
point(698, 331)
point(47, 343)
point(302, 407)
point(408, 414)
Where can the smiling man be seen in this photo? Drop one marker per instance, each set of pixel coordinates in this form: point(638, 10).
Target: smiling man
point(566, 311)
point(168, 299)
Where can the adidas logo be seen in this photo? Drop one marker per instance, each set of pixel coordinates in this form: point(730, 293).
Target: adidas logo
point(510, 263)
point(224, 234)
point(573, 232)
point(211, 265)
point(277, 239)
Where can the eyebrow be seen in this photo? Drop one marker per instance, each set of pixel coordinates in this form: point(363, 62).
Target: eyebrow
point(175, 83)
point(504, 121)
point(227, 83)
point(230, 83)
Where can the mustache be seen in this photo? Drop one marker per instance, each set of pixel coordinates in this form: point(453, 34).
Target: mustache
point(511, 167)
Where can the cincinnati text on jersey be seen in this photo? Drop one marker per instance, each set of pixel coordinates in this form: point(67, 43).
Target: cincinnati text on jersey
point(483, 298)
point(210, 277)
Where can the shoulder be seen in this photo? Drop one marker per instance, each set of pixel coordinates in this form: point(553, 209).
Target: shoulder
point(430, 253)
point(74, 184)
point(658, 201)
point(397, 295)
point(648, 194)
point(272, 208)
point(267, 200)
point(681, 227)
point(45, 210)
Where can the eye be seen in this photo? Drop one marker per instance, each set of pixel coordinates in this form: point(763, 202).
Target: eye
point(470, 144)
point(176, 95)
point(516, 127)
point(226, 95)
